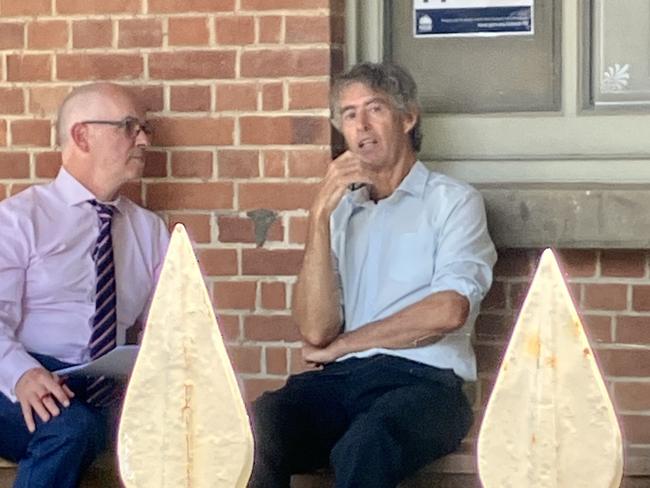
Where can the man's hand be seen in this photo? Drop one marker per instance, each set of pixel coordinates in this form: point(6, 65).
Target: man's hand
point(36, 390)
point(342, 172)
point(318, 355)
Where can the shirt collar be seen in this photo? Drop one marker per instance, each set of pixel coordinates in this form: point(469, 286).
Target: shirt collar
point(73, 193)
point(413, 184)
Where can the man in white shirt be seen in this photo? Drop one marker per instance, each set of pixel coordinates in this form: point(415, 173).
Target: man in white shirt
point(396, 263)
point(78, 265)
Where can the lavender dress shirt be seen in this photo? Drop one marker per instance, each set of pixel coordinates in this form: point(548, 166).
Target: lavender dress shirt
point(47, 275)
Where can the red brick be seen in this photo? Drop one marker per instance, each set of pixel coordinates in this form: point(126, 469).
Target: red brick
point(276, 196)
point(190, 98)
point(280, 262)
point(30, 132)
point(308, 163)
point(3, 191)
point(192, 164)
point(624, 263)
point(577, 262)
point(624, 362)
point(605, 296)
point(197, 225)
point(641, 297)
point(150, 96)
point(636, 428)
point(489, 356)
point(254, 387)
point(3, 133)
point(273, 164)
point(272, 96)
point(199, 196)
point(633, 329)
point(284, 130)
point(194, 131)
point(18, 187)
point(234, 295)
point(218, 262)
point(94, 7)
point(308, 94)
point(188, 31)
point(92, 33)
point(140, 33)
point(98, 66)
point(494, 326)
point(9, 8)
point(45, 100)
point(240, 229)
point(14, 165)
point(239, 96)
point(29, 67)
point(47, 34)
point(270, 328)
point(12, 100)
point(276, 360)
point(246, 359)
point(307, 29)
point(270, 29)
point(298, 230)
point(238, 163)
point(186, 6)
point(283, 4)
point(266, 63)
point(229, 327)
point(48, 164)
point(632, 395)
point(598, 328)
point(236, 30)
point(133, 191)
point(274, 295)
point(513, 262)
point(495, 298)
point(192, 64)
point(156, 164)
point(12, 35)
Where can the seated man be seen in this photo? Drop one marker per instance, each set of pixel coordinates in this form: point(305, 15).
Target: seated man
point(78, 264)
point(393, 274)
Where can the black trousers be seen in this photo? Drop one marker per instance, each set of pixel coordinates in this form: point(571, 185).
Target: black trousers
point(374, 420)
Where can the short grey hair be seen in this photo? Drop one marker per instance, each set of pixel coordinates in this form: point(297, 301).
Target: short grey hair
point(387, 78)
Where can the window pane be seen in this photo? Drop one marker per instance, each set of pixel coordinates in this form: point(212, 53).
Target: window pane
point(481, 74)
point(621, 65)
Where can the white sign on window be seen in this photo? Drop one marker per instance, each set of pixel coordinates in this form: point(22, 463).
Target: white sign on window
point(471, 18)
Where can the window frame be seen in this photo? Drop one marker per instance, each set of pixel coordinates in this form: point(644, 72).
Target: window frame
point(576, 144)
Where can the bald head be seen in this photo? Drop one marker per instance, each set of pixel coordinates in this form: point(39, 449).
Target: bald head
point(89, 102)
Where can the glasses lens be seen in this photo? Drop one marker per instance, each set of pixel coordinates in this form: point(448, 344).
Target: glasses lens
point(146, 128)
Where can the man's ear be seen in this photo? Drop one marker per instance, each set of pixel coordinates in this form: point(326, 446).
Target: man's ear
point(409, 119)
point(79, 135)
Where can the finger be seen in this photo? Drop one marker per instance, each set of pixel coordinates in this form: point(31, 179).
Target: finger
point(68, 392)
point(54, 388)
point(50, 405)
point(27, 415)
point(40, 410)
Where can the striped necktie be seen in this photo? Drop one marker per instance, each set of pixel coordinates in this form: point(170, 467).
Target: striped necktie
point(101, 390)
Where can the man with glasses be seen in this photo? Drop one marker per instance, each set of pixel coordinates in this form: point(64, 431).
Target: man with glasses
point(78, 265)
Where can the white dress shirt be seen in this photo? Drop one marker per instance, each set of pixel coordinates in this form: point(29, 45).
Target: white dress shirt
point(429, 235)
point(47, 274)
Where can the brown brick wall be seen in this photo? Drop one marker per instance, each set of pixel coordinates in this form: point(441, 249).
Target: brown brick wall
point(238, 93)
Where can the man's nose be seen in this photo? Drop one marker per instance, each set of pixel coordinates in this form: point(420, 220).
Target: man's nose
point(142, 139)
point(362, 120)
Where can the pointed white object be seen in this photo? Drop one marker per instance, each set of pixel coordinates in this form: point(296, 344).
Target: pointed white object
point(549, 422)
point(183, 422)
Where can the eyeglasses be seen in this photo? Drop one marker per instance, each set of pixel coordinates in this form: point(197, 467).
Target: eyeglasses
point(131, 125)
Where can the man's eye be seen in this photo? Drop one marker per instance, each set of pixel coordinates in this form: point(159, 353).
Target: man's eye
point(348, 116)
point(375, 107)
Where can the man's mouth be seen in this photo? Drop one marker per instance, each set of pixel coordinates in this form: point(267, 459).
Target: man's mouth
point(367, 142)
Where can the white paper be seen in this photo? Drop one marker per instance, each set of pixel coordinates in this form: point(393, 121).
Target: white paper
point(472, 18)
point(117, 363)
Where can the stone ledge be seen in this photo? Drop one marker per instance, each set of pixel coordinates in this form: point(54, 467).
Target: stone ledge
point(580, 216)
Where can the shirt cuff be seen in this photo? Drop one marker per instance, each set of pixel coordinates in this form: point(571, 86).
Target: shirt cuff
point(16, 365)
